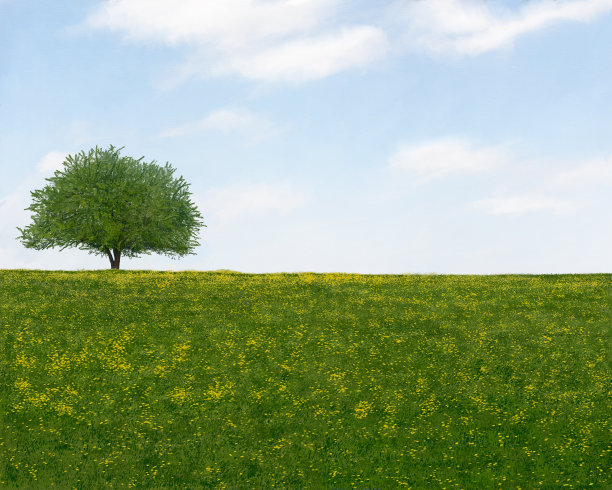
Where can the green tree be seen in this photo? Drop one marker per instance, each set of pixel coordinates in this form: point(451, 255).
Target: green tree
point(114, 206)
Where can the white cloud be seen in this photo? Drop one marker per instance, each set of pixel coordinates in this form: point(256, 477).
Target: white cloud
point(247, 200)
point(225, 120)
point(437, 159)
point(467, 27)
point(526, 204)
point(263, 40)
point(12, 206)
point(229, 24)
point(312, 58)
point(51, 162)
point(588, 174)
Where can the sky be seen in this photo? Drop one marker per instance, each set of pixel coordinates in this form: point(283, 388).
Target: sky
point(395, 137)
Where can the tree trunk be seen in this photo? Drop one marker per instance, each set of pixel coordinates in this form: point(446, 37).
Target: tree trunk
point(114, 261)
point(117, 254)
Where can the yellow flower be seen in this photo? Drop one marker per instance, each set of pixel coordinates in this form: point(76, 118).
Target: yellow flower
point(362, 409)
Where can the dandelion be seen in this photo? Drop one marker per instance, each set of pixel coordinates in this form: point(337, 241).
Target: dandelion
point(362, 409)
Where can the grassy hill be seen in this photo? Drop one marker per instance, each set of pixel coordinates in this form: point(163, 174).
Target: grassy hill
point(213, 379)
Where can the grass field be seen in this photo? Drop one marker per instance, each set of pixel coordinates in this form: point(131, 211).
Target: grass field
point(218, 379)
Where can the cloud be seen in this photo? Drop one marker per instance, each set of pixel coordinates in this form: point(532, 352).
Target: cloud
point(564, 192)
point(51, 162)
point(247, 200)
point(225, 120)
point(440, 158)
point(467, 27)
point(286, 40)
point(302, 40)
point(522, 204)
point(588, 174)
point(12, 206)
point(312, 58)
point(230, 24)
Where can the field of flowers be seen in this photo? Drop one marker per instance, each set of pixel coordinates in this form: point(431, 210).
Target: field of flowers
point(219, 379)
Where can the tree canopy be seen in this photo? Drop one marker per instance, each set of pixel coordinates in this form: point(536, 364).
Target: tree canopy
point(113, 205)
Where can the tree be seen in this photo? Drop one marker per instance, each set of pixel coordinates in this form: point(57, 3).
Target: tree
point(114, 206)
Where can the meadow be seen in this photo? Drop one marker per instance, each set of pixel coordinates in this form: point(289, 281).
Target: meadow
point(119, 379)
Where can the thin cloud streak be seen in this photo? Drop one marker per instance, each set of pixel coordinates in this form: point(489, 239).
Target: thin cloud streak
point(433, 160)
point(312, 58)
point(240, 201)
point(591, 174)
point(226, 120)
point(461, 27)
point(229, 25)
point(522, 204)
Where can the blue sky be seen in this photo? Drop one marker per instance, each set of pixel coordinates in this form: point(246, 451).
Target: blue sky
point(397, 136)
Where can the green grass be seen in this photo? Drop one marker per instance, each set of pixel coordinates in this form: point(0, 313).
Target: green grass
point(196, 380)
